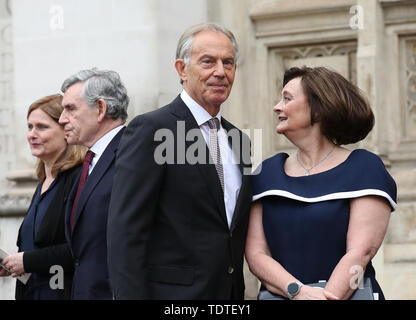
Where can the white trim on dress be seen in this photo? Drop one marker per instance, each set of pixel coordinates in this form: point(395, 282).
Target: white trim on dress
point(331, 196)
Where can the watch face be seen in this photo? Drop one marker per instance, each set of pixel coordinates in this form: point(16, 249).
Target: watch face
point(293, 288)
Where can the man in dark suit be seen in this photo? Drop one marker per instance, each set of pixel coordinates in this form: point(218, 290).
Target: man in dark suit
point(95, 109)
point(179, 206)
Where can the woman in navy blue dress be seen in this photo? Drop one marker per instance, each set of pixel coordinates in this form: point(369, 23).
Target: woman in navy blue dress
point(322, 212)
point(41, 238)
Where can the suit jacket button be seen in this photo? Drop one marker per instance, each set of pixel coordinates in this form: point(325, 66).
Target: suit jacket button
point(230, 270)
point(76, 262)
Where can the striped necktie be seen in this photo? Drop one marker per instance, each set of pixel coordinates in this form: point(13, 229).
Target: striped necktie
point(214, 148)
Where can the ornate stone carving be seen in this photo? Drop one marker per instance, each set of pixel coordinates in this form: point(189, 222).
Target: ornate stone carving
point(7, 150)
point(347, 49)
point(16, 198)
point(408, 75)
point(14, 205)
point(280, 17)
point(398, 11)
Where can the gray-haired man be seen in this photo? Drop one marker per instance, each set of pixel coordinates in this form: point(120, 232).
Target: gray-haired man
point(177, 230)
point(95, 109)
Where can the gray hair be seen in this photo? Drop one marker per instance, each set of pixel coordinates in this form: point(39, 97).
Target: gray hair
point(102, 84)
point(184, 48)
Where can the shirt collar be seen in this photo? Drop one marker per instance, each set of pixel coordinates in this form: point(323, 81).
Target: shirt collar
point(101, 144)
point(200, 114)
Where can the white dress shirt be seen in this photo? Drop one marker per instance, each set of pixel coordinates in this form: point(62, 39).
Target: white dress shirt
point(101, 144)
point(232, 174)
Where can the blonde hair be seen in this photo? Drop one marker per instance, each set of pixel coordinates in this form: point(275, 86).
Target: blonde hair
point(73, 155)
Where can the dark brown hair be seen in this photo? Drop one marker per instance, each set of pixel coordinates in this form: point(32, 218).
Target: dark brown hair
point(73, 155)
point(341, 109)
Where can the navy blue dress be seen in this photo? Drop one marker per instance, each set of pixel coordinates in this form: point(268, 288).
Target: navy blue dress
point(37, 288)
point(306, 218)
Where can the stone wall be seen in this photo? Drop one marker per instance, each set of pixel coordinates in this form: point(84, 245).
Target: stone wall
point(8, 221)
point(7, 150)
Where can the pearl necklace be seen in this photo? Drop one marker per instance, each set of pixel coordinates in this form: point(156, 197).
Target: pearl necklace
point(307, 171)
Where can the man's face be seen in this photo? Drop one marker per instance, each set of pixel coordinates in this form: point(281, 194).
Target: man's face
point(209, 76)
point(80, 121)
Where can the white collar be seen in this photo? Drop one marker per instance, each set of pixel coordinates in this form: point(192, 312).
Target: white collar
point(101, 144)
point(200, 114)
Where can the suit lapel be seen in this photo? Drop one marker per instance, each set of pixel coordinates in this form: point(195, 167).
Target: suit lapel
point(207, 170)
point(105, 161)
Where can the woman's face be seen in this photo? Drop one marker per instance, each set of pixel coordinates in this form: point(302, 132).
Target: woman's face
point(293, 110)
point(45, 136)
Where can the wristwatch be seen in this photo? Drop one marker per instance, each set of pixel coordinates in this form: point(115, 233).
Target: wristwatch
point(293, 289)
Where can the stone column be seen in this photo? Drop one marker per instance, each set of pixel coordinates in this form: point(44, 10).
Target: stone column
point(398, 100)
point(9, 214)
point(6, 91)
point(370, 71)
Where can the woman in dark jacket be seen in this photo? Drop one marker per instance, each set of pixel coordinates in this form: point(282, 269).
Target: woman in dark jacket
point(41, 240)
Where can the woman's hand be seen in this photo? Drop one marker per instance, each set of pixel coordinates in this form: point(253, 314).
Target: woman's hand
point(14, 263)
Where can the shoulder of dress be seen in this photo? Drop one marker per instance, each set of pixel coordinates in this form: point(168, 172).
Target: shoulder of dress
point(366, 163)
point(271, 164)
point(364, 156)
